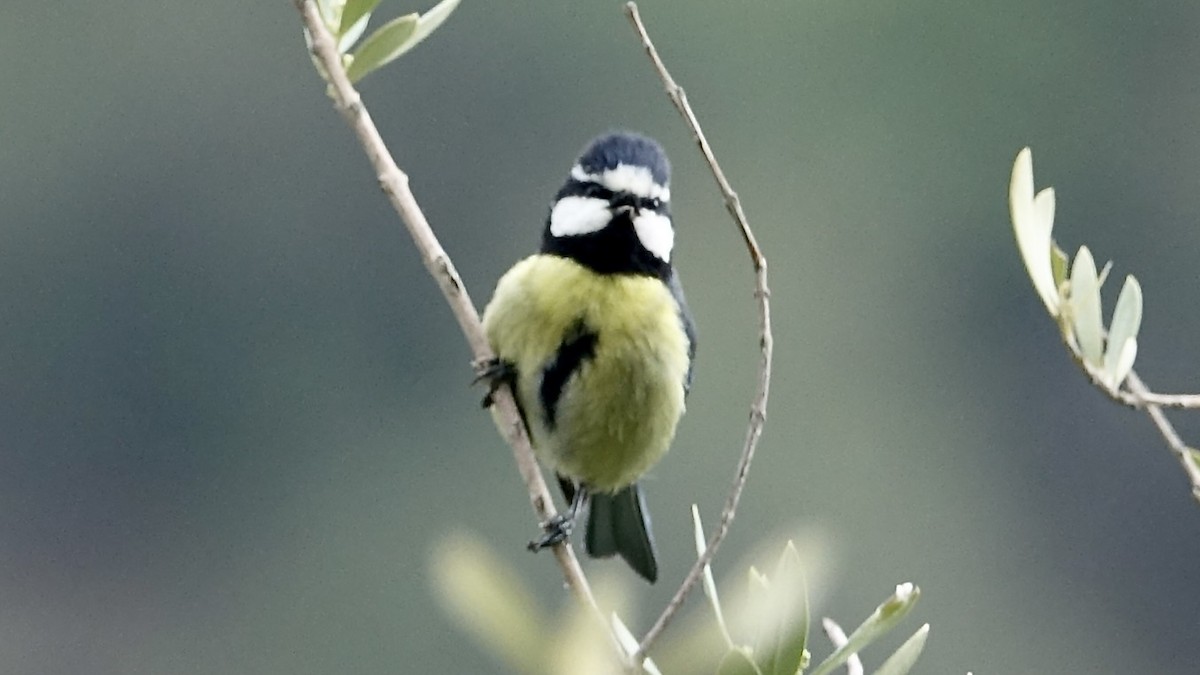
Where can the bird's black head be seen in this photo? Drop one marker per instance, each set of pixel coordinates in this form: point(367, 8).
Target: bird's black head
point(613, 213)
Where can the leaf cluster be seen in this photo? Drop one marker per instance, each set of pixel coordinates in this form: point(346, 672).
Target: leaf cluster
point(765, 632)
point(1073, 301)
point(347, 20)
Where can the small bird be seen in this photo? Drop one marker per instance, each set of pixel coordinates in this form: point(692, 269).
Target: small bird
point(595, 337)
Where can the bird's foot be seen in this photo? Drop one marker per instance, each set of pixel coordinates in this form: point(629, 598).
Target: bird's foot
point(496, 373)
point(554, 532)
point(557, 529)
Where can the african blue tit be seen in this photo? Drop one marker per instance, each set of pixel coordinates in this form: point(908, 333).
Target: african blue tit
point(595, 337)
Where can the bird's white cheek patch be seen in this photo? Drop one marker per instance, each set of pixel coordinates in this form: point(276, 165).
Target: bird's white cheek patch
point(656, 234)
point(573, 216)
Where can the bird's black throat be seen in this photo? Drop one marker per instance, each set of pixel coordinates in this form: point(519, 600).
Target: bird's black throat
point(614, 249)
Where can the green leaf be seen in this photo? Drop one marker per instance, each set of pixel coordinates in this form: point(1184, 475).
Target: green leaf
point(629, 643)
point(1085, 308)
point(903, 659)
point(756, 618)
point(329, 10)
point(758, 581)
point(838, 637)
point(710, 586)
point(775, 613)
point(883, 619)
point(486, 596)
point(1122, 365)
point(737, 661)
point(383, 46)
point(1033, 220)
point(1058, 264)
point(432, 19)
point(1122, 334)
point(355, 11)
point(346, 39)
point(395, 38)
point(791, 636)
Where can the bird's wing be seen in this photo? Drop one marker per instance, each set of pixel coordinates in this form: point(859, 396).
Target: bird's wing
point(689, 326)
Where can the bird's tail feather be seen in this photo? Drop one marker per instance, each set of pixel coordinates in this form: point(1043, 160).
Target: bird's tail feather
point(620, 524)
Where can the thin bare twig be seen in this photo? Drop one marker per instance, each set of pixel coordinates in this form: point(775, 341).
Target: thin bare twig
point(1182, 452)
point(394, 184)
point(1139, 397)
point(758, 407)
point(1141, 400)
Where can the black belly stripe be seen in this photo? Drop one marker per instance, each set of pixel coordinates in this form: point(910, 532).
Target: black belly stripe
point(578, 345)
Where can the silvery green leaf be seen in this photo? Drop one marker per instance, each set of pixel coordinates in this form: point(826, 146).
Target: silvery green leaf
point(710, 586)
point(354, 12)
point(399, 40)
point(837, 636)
point(737, 661)
point(1033, 220)
point(791, 637)
point(1123, 364)
point(774, 611)
point(1059, 263)
point(630, 644)
point(883, 619)
point(754, 622)
point(1085, 308)
point(488, 598)
point(902, 660)
point(352, 33)
point(383, 46)
point(758, 580)
point(330, 11)
point(1122, 334)
point(432, 19)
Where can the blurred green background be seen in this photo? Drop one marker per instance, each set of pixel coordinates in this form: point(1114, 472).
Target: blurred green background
point(234, 412)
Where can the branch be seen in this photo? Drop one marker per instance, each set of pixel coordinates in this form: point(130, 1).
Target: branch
point(1139, 397)
point(1143, 398)
point(394, 184)
point(1074, 303)
point(1183, 453)
point(758, 407)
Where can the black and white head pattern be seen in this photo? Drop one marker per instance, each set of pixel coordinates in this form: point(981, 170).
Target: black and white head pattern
point(613, 213)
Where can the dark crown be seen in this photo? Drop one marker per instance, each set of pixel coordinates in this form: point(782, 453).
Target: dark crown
point(628, 148)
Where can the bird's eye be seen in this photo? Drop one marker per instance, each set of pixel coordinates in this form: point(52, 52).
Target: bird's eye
point(652, 204)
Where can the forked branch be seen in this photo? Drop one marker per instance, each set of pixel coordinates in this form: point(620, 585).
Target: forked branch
point(762, 295)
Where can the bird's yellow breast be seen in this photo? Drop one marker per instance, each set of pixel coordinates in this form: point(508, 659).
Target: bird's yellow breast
point(618, 410)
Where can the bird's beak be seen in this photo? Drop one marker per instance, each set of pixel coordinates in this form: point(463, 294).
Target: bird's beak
point(625, 204)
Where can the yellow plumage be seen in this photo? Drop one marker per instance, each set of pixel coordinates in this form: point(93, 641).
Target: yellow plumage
point(617, 412)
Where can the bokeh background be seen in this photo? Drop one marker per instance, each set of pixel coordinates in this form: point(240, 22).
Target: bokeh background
point(234, 412)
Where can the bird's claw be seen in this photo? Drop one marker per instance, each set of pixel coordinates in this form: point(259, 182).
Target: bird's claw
point(554, 531)
point(496, 373)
